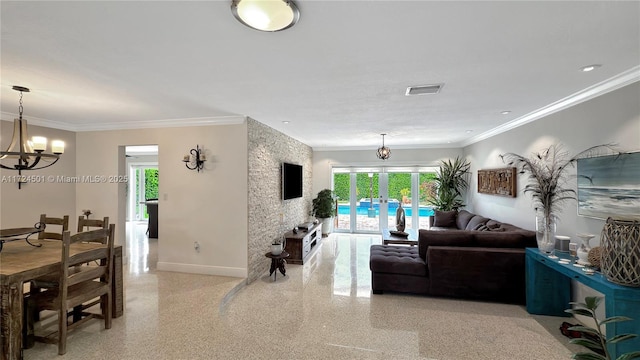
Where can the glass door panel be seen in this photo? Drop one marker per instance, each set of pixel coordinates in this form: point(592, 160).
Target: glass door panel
point(427, 189)
point(368, 201)
point(399, 192)
point(342, 190)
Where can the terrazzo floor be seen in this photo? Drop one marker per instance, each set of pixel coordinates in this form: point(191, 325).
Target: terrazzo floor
point(322, 310)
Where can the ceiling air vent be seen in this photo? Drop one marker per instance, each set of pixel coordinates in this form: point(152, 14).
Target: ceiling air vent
point(424, 89)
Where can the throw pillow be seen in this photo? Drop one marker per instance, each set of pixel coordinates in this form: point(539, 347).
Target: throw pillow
point(482, 227)
point(475, 221)
point(444, 218)
point(492, 224)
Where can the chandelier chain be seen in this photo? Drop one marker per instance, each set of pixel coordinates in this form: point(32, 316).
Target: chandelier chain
point(20, 108)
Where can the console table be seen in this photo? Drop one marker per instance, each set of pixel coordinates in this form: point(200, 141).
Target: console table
point(549, 293)
point(301, 244)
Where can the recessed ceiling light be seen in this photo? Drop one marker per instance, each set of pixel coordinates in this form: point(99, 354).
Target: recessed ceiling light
point(590, 67)
point(505, 112)
point(469, 131)
point(285, 122)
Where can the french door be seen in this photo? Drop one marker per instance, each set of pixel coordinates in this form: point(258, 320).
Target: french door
point(368, 198)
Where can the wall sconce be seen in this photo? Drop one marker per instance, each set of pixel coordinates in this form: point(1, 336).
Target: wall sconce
point(196, 159)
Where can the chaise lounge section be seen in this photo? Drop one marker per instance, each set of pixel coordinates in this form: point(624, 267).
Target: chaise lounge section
point(466, 256)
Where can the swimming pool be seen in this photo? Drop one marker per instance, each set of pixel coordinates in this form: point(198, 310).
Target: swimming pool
point(364, 210)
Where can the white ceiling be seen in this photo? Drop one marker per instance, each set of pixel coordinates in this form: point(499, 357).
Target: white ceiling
point(338, 76)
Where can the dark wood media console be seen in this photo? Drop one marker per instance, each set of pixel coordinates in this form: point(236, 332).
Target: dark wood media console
point(301, 245)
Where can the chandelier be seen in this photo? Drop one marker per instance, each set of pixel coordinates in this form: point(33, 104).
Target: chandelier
point(27, 154)
point(383, 152)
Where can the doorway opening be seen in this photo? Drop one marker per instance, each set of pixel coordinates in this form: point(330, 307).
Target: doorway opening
point(142, 207)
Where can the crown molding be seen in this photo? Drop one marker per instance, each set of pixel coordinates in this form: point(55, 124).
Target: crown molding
point(616, 82)
point(38, 121)
point(145, 124)
point(148, 124)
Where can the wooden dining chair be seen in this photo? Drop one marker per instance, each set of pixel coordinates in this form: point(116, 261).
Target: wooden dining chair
point(85, 224)
point(49, 281)
point(86, 283)
point(48, 221)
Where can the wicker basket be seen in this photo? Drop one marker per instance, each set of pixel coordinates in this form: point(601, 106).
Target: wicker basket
point(620, 242)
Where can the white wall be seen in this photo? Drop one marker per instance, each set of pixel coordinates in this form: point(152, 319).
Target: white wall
point(323, 161)
point(610, 118)
point(22, 207)
point(209, 207)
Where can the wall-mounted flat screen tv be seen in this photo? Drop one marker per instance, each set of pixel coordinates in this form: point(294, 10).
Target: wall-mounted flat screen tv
point(291, 181)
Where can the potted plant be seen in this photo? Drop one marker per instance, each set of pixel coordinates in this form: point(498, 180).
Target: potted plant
point(595, 340)
point(548, 185)
point(450, 181)
point(324, 209)
point(278, 245)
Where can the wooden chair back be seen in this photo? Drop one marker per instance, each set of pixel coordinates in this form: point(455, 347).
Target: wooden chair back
point(48, 221)
point(85, 224)
point(84, 283)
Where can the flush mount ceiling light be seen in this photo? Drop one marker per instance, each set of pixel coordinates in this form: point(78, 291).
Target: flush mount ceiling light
point(28, 153)
point(383, 152)
point(266, 15)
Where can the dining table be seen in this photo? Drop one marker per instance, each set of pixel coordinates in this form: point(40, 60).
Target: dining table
point(17, 234)
point(21, 262)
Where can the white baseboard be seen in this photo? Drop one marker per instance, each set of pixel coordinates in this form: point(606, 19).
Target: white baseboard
point(203, 269)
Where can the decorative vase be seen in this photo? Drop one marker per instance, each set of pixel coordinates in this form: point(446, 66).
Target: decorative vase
point(620, 261)
point(546, 232)
point(400, 218)
point(583, 250)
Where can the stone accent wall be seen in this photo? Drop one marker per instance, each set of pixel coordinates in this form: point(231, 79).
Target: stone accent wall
point(269, 216)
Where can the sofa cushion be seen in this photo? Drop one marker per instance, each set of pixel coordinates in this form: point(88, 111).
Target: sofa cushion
point(506, 239)
point(444, 218)
point(428, 238)
point(463, 219)
point(475, 221)
point(396, 260)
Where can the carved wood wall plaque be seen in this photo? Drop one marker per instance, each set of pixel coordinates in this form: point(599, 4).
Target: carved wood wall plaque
point(498, 181)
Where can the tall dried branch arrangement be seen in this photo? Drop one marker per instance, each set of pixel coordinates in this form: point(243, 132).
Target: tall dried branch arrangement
point(547, 174)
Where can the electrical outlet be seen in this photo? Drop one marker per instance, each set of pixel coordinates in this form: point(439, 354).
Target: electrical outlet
point(196, 246)
point(281, 218)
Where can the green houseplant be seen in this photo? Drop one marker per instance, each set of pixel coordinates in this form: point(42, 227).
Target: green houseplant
point(324, 209)
point(450, 181)
point(598, 342)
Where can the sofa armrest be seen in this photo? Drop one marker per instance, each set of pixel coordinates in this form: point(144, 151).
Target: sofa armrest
point(477, 272)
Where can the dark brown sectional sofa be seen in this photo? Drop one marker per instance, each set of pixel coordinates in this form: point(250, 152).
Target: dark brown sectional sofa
point(463, 255)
